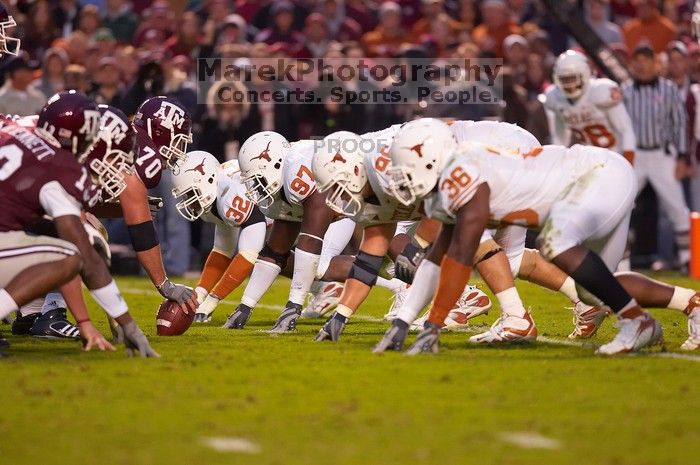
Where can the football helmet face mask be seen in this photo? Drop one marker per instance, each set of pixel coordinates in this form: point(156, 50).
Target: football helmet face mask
point(195, 184)
point(419, 152)
point(112, 154)
point(8, 45)
point(572, 73)
point(260, 159)
point(338, 166)
point(168, 125)
point(71, 121)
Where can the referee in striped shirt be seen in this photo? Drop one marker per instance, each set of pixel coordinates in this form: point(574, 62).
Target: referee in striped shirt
point(660, 124)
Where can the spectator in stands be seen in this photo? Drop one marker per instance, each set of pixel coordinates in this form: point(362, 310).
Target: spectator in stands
point(120, 20)
point(496, 27)
point(389, 35)
point(224, 127)
point(18, 96)
point(648, 28)
point(316, 34)
point(187, 40)
point(468, 16)
point(128, 64)
point(89, 20)
point(363, 13)
point(77, 44)
point(76, 79)
point(67, 15)
point(597, 18)
point(516, 54)
point(40, 29)
point(51, 80)
point(159, 17)
point(105, 42)
point(282, 29)
point(433, 11)
point(522, 11)
point(341, 27)
point(108, 83)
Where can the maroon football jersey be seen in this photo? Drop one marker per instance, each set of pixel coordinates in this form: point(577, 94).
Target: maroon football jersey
point(149, 164)
point(27, 164)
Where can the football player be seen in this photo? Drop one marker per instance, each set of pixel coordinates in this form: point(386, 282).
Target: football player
point(278, 179)
point(555, 189)
point(162, 129)
point(204, 189)
point(8, 45)
point(347, 185)
point(107, 160)
point(40, 174)
point(585, 110)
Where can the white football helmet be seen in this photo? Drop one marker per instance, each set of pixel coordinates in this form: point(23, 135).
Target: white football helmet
point(261, 159)
point(338, 167)
point(419, 152)
point(572, 73)
point(195, 184)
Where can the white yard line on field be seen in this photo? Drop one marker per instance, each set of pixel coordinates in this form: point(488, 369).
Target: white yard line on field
point(530, 440)
point(224, 444)
point(468, 329)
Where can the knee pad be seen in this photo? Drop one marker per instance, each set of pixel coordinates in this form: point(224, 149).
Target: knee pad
point(528, 263)
point(280, 259)
point(486, 250)
point(366, 268)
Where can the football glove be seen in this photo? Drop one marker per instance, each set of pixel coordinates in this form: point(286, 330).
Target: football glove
point(407, 262)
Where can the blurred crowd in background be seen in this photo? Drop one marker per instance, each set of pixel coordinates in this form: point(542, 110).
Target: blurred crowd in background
point(121, 52)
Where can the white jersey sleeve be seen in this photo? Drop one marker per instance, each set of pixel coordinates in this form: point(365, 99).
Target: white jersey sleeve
point(57, 202)
point(504, 137)
point(606, 95)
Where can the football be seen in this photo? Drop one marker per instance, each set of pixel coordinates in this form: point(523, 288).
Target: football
point(171, 320)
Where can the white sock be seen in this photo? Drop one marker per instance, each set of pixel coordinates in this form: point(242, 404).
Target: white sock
point(681, 298)
point(510, 302)
point(33, 307)
point(7, 304)
point(569, 289)
point(52, 301)
point(394, 284)
point(421, 291)
point(263, 275)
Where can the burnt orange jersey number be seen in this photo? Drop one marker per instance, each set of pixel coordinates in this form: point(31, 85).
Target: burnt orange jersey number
point(382, 160)
point(298, 184)
point(240, 209)
point(458, 180)
point(595, 134)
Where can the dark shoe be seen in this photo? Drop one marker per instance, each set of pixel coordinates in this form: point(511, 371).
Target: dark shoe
point(55, 325)
point(23, 324)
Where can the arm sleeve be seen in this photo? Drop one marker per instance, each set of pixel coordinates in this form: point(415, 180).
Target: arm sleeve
point(622, 124)
point(57, 202)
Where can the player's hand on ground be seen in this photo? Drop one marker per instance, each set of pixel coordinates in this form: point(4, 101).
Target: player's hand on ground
point(117, 331)
point(238, 318)
point(92, 338)
point(183, 295)
point(136, 342)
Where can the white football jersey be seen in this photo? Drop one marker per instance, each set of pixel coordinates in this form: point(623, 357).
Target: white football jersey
point(505, 137)
point(298, 183)
point(383, 208)
point(233, 208)
point(523, 188)
point(587, 120)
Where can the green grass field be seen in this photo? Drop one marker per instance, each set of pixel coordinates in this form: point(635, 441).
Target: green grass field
point(245, 397)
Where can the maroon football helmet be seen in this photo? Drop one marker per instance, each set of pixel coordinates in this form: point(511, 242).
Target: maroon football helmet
point(112, 154)
point(69, 120)
point(168, 125)
point(8, 44)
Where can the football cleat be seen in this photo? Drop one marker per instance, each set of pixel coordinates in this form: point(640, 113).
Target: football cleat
point(54, 325)
point(239, 318)
point(634, 334)
point(333, 328)
point(693, 313)
point(201, 318)
point(322, 302)
point(427, 341)
point(399, 297)
point(472, 303)
point(287, 321)
point(508, 329)
point(587, 320)
point(393, 338)
point(23, 323)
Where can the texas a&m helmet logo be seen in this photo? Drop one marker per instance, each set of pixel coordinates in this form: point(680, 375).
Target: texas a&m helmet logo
point(171, 116)
point(113, 128)
point(91, 124)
